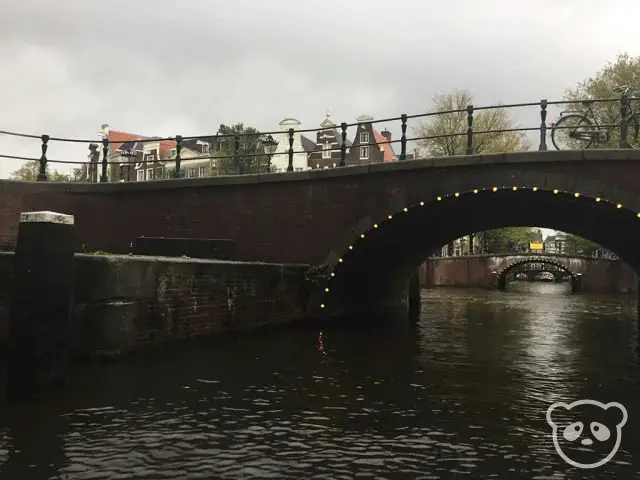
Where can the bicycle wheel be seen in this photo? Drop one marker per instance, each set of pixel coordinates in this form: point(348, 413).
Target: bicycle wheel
point(633, 131)
point(572, 132)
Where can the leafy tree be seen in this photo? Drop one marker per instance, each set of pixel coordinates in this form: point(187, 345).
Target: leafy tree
point(450, 123)
point(250, 157)
point(575, 245)
point(504, 240)
point(29, 172)
point(625, 70)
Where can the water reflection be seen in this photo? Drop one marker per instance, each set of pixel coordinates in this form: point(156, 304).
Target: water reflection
point(462, 390)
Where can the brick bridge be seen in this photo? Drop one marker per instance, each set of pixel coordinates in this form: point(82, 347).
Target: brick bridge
point(598, 275)
point(371, 225)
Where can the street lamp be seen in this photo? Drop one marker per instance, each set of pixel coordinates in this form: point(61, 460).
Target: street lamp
point(270, 146)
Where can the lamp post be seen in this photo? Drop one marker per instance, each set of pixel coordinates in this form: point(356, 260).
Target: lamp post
point(270, 146)
point(128, 154)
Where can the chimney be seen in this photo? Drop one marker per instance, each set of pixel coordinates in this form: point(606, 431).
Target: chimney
point(386, 134)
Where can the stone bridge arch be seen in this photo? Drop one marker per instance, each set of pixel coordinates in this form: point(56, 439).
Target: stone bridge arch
point(561, 262)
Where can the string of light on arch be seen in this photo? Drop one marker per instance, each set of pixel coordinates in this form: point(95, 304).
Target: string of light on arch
point(335, 270)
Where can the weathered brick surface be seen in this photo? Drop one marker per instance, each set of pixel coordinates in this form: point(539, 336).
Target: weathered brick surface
point(598, 275)
point(302, 217)
point(125, 302)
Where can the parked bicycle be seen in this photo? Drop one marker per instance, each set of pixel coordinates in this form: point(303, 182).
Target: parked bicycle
point(580, 129)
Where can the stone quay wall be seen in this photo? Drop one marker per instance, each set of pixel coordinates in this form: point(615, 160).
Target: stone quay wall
point(125, 302)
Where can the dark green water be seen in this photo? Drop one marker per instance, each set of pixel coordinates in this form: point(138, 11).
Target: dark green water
point(462, 392)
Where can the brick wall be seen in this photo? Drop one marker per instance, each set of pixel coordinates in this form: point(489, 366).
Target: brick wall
point(303, 216)
point(126, 302)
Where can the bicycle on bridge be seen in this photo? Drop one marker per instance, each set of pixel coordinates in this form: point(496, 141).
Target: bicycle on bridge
point(578, 130)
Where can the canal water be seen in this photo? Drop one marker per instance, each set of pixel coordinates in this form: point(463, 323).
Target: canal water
point(460, 392)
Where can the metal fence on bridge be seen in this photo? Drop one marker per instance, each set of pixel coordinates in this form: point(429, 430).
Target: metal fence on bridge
point(580, 127)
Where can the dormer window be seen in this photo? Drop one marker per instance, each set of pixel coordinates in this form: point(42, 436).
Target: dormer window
point(205, 148)
point(364, 153)
point(364, 137)
point(151, 158)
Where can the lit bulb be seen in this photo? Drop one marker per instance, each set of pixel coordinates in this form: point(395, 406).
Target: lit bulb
point(555, 191)
point(326, 289)
point(475, 190)
point(495, 189)
point(535, 189)
point(597, 199)
point(390, 217)
point(362, 235)
point(340, 260)
point(457, 194)
point(439, 198)
point(375, 225)
point(577, 194)
point(322, 305)
point(405, 209)
point(422, 204)
point(619, 205)
point(333, 274)
point(350, 247)
point(514, 188)
point(638, 215)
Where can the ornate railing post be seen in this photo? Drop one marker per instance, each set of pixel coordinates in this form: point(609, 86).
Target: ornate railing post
point(290, 166)
point(42, 174)
point(403, 139)
point(236, 154)
point(105, 151)
point(343, 145)
point(177, 173)
point(624, 124)
point(469, 129)
point(543, 125)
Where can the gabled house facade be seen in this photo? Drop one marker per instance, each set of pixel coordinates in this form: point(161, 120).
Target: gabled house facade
point(301, 147)
point(326, 152)
point(370, 145)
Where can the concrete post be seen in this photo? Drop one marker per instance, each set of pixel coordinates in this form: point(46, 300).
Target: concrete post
point(41, 303)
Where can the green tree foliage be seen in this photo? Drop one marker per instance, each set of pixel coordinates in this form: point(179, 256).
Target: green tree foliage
point(504, 240)
point(250, 157)
point(29, 172)
point(625, 70)
point(575, 245)
point(450, 123)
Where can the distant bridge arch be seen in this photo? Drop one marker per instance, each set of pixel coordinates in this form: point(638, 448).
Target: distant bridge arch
point(501, 276)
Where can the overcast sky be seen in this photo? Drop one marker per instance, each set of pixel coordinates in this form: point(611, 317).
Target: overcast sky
point(163, 67)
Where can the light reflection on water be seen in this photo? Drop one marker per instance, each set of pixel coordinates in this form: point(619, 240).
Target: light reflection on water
point(463, 390)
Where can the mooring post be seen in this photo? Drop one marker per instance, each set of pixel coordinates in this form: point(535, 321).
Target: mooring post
point(576, 283)
point(41, 303)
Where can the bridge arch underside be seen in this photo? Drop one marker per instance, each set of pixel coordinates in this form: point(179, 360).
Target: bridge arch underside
point(374, 272)
point(521, 266)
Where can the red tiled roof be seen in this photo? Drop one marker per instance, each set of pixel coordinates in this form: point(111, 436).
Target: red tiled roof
point(117, 138)
point(385, 145)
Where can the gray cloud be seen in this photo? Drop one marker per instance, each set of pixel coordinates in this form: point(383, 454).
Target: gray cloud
point(165, 67)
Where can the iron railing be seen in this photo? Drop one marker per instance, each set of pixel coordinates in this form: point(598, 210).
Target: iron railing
point(237, 156)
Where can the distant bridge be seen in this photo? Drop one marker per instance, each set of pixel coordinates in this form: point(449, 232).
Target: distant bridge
point(593, 275)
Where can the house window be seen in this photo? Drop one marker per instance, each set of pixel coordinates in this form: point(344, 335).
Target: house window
point(326, 152)
point(364, 137)
point(151, 158)
point(150, 174)
point(201, 171)
point(192, 172)
point(159, 173)
point(205, 148)
point(140, 175)
point(364, 153)
point(174, 152)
